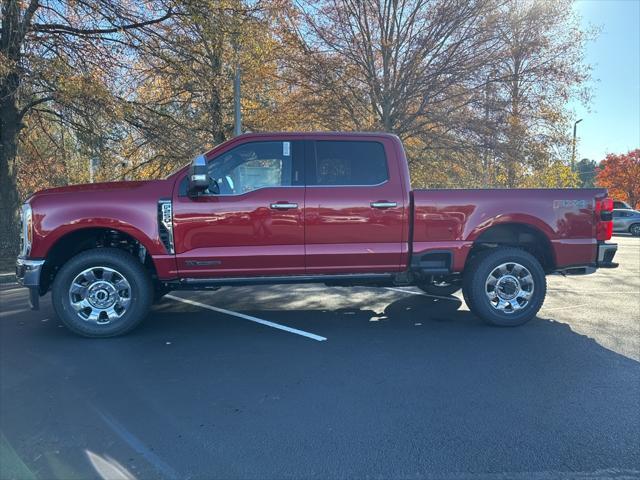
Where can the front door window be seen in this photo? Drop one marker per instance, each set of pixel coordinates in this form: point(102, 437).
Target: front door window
point(252, 166)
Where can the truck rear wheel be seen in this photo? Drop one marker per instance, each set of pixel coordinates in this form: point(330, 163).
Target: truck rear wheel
point(103, 292)
point(504, 286)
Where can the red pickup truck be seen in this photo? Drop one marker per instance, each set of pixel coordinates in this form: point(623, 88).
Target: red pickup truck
point(332, 208)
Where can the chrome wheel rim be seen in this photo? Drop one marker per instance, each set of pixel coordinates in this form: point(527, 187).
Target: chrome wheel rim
point(100, 295)
point(635, 230)
point(509, 287)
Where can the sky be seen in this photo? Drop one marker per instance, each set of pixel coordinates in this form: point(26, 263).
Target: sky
point(611, 124)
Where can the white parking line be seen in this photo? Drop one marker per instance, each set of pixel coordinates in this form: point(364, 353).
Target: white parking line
point(454, 299)
point(312, 336)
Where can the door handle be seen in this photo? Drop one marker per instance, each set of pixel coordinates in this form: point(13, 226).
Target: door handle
point(384, 204)
point(284, 206)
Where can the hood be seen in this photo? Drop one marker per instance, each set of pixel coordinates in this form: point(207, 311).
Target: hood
point(98, 187)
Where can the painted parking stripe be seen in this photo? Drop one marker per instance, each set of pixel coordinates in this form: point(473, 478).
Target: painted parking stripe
point(312, 336)
point(411, 292)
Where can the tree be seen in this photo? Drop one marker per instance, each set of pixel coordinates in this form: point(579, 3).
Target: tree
point(587, 172)
point(557, 175)
point(400, 66)
point(56, 57)
point(479, 85)
point(621, 175)
point(540, 68)
point(185, 80)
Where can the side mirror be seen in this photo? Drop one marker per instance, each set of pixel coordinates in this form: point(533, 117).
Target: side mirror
point(198, 176)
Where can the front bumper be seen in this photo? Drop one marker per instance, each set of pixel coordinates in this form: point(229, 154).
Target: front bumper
point(28, 275)
point(606, 252)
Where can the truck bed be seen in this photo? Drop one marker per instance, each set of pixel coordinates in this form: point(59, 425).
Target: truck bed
point(451, 219)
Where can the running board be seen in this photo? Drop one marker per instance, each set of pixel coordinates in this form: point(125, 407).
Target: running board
point(334, 280)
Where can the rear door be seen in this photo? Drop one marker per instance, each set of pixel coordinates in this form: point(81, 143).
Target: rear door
point(354, 207)
point(251, 221)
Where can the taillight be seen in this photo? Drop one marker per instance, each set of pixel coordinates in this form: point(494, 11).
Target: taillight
point(604, 218)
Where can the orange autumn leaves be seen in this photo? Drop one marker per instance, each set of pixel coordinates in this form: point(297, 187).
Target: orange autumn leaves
point(620, 174)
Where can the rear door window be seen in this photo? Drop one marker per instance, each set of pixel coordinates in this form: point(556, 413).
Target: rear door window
point(348, 163)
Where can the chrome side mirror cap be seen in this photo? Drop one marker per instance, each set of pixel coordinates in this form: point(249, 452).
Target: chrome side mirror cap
point(198, 175)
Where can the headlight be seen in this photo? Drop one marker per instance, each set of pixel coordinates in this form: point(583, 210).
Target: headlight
point(26, 230)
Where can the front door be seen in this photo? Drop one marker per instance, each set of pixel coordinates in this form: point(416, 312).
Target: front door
point(354, 208)
point(250, 222)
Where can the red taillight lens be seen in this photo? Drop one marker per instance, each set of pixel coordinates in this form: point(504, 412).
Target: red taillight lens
point(604, 219)
point(604, 230)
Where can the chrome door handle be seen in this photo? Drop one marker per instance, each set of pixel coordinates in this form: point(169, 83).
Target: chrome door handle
point(384, 204)
point(284, 206)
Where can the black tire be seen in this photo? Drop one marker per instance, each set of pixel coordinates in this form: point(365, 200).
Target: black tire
point(139, 293)
point(442, 290)
point(635, 229)
point(475, 286)
point(159, 293)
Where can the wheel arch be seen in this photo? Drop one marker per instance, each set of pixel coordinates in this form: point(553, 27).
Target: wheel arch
point(526, 236)
point(76, 241)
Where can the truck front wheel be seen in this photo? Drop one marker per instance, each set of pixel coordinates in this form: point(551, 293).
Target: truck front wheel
point(504, 286)
point(103, 292)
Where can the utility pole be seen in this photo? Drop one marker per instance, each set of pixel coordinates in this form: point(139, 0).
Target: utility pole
point(573, 153)
point(94, 163)
point(488, 132)
point(237, 128)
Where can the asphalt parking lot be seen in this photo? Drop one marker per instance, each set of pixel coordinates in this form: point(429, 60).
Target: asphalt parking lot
point(315, 382)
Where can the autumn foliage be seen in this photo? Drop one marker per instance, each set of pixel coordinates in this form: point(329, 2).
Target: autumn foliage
point(478, 90)
point(621, 175)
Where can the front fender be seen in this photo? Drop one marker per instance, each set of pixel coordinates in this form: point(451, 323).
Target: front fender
point(55, 216)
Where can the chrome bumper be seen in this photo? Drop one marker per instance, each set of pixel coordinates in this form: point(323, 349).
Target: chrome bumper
point(28, 275)
point(606, 252)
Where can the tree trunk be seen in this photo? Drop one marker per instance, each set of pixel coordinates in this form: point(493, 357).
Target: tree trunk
point(10, 48)
point(9, 199)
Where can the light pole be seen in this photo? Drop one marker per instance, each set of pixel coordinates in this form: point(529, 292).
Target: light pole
point(573, 153)
point(94, 163)
point(237, 123)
